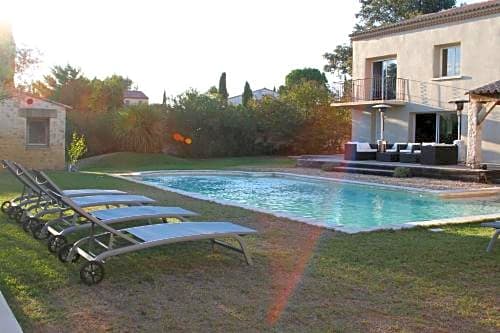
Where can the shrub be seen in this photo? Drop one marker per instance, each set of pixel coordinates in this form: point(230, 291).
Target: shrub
point(76, 149)
point(97, 129)
point(402, 172)
point(140, 128)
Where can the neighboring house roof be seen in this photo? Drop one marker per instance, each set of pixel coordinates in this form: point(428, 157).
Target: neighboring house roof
point(445, 16)
point(134, 94)
point(489, 89)
point(257, 94)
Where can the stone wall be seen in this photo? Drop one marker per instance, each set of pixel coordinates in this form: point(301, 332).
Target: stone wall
point(13, 144)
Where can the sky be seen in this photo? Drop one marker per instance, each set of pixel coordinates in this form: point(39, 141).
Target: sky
point(174, 45)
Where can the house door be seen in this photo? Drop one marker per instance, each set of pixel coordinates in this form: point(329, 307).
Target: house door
point(425, 127)
point(384, 79)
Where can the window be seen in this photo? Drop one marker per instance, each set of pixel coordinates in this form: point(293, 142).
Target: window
point(37, 132)
point(450, 61)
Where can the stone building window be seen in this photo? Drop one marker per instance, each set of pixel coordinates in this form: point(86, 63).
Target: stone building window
point(37, 132)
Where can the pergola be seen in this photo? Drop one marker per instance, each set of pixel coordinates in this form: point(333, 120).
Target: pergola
point(482, 101)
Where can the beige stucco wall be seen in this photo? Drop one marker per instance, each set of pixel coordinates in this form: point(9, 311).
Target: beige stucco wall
point(418, 61)
point(135, 101)
point(13, 133)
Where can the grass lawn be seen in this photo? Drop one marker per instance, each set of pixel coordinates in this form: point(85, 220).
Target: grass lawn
point(124, 162)
point(304, 278)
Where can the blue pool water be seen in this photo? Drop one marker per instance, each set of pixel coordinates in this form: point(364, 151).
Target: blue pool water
point(354, 207)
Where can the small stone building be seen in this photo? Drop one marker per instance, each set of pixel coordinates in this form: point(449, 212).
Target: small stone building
point(32, 131)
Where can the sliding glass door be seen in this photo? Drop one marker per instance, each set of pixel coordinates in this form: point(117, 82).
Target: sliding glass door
point(441, 127)
point(384, 79)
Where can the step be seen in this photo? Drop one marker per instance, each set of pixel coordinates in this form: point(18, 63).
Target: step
point(368, 165)
point(364, 171)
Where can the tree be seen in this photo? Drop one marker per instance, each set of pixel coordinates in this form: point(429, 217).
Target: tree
point(376, 13)
point(339, 62)
point(59, 77)
point(7, 59)
point(222, 87)
point(306, 74)
point(14, 63)
point(164, 102)
point(247, 94)
point(212, 91)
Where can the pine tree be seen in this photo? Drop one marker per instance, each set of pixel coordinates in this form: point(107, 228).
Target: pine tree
point(164, 102)
point(222, 87)
point(247, 94)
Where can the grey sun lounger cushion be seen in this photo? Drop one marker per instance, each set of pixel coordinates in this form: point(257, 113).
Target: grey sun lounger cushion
point(495, 225)
point(124, 199)
point(141, 212)
point(89, 191)
point(187, 231)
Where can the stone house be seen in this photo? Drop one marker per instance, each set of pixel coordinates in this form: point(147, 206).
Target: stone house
point(32, 131)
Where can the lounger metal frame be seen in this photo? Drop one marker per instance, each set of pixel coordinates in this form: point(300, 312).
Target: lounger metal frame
point(92, 272)
point(496, 234)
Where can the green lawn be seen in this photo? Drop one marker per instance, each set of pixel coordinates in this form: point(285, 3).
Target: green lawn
point(303, 279)
point(124, 162)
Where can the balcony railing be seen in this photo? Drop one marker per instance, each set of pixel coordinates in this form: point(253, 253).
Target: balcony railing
point(370, 89)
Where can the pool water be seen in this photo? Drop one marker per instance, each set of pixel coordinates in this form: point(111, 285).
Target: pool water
point(353, 207)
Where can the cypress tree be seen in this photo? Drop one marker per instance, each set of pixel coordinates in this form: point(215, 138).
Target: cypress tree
point(247, 94)
point(164, 98)
point(222, 87)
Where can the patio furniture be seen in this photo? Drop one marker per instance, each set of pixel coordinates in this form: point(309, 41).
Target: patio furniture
point(411, 153)
point(59, 229)
point(97, 248)
point(43, 180)
point(396, 147)
point(387, 156)
point(45, 202)
point(496, 234)
point(439, 154)
point(358, 151)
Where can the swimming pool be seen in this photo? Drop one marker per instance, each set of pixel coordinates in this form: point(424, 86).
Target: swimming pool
point(341, 205)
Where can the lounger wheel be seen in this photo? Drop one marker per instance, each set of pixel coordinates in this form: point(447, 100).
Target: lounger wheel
point(92, 272)
point(26, 223)
point(15, 213)
point(36, 228)
point(55, 243)
point(6, 206)
point(64, 253)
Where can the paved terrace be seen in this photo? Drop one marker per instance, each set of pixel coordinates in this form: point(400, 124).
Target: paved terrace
point(452, 172)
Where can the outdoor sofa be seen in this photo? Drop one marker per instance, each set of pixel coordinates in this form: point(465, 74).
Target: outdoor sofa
point(360, 151)
point(439, 154)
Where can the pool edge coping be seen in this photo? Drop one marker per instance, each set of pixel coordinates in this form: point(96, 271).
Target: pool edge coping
point(341, 228)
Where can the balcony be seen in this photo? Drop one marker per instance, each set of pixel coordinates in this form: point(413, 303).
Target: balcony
point(370, 91)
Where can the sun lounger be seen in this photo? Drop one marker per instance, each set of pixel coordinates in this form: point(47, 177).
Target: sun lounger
point(96, 248)
point(59, 229)
point(44, 201)
point(44, 180)
point(496, 234)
